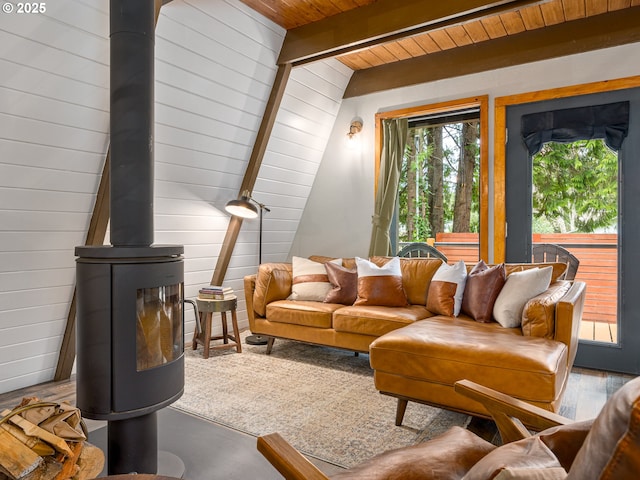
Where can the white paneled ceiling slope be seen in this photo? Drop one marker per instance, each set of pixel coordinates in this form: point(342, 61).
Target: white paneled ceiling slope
point(215, 65)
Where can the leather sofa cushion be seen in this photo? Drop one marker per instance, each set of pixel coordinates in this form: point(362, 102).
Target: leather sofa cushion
point(310, 314)
point(444, 350)
point(446, 457)
point(611, 450)
point(273, 282)
point(539, 314)
point(375, 320)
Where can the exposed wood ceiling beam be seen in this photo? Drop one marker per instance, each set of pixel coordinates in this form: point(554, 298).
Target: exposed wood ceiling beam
point(383, 21)
point(592, 33)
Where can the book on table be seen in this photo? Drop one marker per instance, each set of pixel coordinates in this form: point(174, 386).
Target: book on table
point(216, 292)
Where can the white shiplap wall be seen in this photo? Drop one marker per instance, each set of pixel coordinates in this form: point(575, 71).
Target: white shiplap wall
point(54, 80)
point(215, 64)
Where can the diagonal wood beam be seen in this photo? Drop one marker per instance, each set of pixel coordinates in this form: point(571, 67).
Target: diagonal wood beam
point(95, 236)
point(383, 21)
point(592, 33)
point(253, 167)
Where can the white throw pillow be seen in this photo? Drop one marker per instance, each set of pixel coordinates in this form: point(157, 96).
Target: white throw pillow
point(310, 280)
point(519, 288)
point(447, 275)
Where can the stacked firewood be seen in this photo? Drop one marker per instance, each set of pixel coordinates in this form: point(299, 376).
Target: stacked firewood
point(46, 441)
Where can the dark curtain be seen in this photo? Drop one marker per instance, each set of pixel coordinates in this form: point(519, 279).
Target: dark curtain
point(609, 122)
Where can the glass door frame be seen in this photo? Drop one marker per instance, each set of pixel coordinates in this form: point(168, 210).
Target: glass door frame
point(617, 357)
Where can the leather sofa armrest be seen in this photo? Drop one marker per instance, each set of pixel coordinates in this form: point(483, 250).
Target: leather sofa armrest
point(568, 315)
point(272, 282)
point(249, 288)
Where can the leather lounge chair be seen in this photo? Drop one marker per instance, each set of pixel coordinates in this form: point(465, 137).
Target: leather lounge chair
point(607, 447)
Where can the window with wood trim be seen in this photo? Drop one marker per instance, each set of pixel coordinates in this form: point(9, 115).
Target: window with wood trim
point(443, 185)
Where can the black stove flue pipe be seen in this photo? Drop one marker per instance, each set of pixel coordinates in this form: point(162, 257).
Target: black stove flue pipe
point(110, 384)
point(132, 442)
point(132, 119)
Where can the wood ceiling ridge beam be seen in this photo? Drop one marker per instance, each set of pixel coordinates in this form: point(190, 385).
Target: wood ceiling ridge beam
point(383, 21)
point(593, 33)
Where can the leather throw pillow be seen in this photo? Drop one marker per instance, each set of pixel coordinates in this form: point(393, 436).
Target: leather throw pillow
point(481, 290)
point(344, 284)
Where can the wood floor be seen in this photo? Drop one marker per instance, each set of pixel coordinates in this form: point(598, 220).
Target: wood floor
point(586, 393)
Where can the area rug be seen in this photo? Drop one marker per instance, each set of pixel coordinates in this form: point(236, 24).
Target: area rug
point(322, 400)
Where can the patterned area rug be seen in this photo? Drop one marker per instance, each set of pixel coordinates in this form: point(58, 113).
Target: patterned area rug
point(322, 400)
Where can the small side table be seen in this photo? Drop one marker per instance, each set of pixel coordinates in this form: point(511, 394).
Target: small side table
point(206, 309)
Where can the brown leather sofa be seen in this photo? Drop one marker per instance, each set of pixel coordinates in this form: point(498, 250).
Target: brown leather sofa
point(605, 448)
point(418, 356)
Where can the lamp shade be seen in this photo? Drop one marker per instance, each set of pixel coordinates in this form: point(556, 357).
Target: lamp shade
point(242, 207)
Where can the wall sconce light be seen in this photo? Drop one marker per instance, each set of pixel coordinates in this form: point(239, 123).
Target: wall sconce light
point(354, 128)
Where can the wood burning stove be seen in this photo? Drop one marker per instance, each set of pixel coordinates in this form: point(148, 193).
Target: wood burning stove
point(130, 338)
point(130, 345)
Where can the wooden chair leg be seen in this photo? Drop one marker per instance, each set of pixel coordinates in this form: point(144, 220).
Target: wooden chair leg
point(402, 407)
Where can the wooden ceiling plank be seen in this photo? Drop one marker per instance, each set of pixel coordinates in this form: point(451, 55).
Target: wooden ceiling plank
point(352, 61)
point(412, 47)
point(494, 27)
point(442, 38)
point(592, 33)
point(398, 51)
point(381, 22)
point(618, 4)
point(552, 12)
point(513, 23)
point(382, 52)
point(476, 31)
point(532, 17)
point(459, 35)
point(427, 43)
point(371, 58)
point(574, 9)
point(596, 7)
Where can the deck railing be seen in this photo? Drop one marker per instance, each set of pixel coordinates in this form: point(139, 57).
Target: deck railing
point(598, 255)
